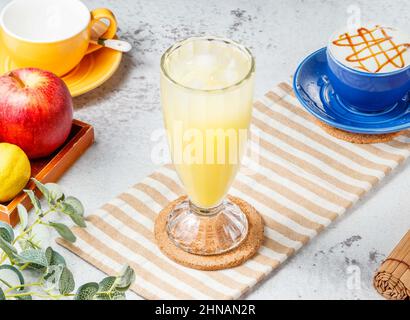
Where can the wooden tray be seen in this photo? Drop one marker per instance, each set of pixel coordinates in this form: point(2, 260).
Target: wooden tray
point(52, 168)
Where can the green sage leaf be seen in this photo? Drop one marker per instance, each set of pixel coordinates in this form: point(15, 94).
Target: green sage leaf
point(107, 290)
point(71, 212)
point(35, 257)
point(8, 249)
point(125, 279)
point(42, 188)
point(107, 284)
point(52, 276)
point(11, 275)
point(76, 204)
point(87, 291)
point(66, 282)
point(49, 254)
point(113, 295)
point(27, 297)
point(23, 215)
point(34, 200)
point(54, 192)
point(54, 258)
point(2, 295)
point(6, 232)
point(78, 220)
point(63, 231)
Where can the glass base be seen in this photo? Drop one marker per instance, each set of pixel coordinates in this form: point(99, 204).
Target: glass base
point(207, 231)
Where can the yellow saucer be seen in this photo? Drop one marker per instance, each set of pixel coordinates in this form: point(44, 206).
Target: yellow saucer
point(93, 70)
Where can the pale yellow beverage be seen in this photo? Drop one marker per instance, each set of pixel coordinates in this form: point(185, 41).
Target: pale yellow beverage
point(207, 93)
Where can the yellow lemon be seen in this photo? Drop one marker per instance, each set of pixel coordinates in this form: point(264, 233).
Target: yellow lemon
point(15, 171)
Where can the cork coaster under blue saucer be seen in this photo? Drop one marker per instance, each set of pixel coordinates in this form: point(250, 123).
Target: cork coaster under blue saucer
point(315, 92)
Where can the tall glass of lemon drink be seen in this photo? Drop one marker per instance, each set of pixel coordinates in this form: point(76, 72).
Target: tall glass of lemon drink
point(206, 94)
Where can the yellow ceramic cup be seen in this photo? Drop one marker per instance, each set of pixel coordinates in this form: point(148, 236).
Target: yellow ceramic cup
point(49, 34)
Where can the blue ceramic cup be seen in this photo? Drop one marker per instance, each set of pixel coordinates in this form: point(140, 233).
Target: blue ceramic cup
point(367, 92)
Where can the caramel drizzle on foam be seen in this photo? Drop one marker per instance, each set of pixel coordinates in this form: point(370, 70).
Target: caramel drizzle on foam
point(369, 41)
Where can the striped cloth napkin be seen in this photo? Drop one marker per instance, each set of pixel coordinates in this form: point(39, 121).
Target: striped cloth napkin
point(300, 182)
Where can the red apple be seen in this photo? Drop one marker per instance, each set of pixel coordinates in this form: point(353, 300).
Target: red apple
point(36, 111)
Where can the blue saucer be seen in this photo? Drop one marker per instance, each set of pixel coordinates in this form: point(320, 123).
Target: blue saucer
point(315, 92)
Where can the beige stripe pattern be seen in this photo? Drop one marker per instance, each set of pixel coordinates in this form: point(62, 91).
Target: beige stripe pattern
point(298, 177)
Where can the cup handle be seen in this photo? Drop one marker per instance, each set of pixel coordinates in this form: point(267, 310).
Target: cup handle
point(98, 14)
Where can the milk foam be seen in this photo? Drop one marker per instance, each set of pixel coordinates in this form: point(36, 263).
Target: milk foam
point(368, 63)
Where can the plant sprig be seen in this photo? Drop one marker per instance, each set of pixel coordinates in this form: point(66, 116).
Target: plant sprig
point(54, 279)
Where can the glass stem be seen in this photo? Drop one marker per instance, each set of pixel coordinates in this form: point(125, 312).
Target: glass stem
point(206, 211)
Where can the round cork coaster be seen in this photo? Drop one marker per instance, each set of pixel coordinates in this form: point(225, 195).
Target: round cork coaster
point(360, 138)
point(246, 250)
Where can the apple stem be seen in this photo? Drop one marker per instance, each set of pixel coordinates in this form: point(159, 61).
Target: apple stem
point(17, 79)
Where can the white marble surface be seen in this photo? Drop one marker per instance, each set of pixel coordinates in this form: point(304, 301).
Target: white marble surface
point(126, 110)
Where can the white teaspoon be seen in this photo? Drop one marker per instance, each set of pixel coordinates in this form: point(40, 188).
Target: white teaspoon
point(114, 44)
point(98, 29)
